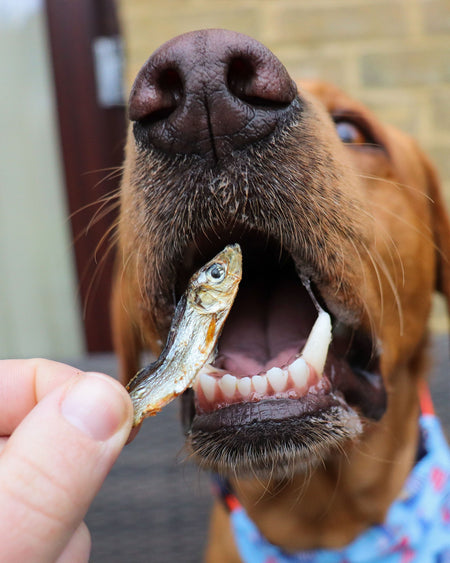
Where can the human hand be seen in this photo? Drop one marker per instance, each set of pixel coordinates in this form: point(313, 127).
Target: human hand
point(61, 431)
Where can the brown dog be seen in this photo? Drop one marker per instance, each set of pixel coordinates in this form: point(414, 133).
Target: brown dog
point(224, 149)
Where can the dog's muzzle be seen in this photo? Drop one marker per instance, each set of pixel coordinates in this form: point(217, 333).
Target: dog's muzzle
point(228, 152)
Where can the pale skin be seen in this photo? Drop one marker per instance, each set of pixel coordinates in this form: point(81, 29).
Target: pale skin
point(61, 431)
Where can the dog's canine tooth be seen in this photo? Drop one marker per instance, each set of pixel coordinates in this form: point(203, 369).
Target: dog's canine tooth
point(208, 385)
point(228, 384)
point(244, 386)
point(260, 384)
point(316, 347)
point(299, 373)
point(277, 379)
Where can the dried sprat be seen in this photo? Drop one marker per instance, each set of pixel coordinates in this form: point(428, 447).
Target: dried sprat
point(195, 328)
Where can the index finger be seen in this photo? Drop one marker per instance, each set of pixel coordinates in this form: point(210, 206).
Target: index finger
point(23, 383)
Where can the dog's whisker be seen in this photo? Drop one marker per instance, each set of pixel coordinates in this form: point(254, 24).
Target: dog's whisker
point(394, 290)
point(389, 245)
point(110, 236)
point(394, 183)
point(113, 195)
point(394, 255)
point(103, 211)
point(368, 455)
point(100, 264)
point(379, 283)
point(115, 173)
point(139, 270)
point(426, 234)
point(328, 507)
point(302, 486)
point(110, 169)
point(369, 313)
point(397, 185)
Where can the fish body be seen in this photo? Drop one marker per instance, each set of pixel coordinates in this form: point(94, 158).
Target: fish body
point(196, 325)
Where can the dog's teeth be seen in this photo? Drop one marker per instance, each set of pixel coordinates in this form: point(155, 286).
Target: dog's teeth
point(316, 348)
point(208, 385)
point(260, 384)
point(228, 385)
point(299, 372)
point(244, 386)
point(295, 379)
point(277, 379)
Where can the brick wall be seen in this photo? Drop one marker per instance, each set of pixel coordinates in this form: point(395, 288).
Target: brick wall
point(394, 55)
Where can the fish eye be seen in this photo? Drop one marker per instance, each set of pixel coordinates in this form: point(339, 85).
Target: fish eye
point(216, 273)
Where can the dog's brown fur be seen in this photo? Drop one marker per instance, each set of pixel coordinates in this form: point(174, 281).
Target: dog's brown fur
point(380, 249)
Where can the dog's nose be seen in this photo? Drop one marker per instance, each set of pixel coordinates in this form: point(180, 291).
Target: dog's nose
point(208, 93)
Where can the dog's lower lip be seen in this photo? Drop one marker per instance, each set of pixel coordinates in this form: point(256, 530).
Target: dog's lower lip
point(319, 398)
point(270, 438)
point(340, 386)
point(241, 415)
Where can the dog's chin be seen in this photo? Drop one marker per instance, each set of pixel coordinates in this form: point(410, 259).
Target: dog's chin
point(271, 438)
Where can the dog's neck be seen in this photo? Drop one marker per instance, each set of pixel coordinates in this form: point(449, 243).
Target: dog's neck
point(337, 501)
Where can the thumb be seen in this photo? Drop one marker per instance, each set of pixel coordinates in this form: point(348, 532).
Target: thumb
point(55, 462)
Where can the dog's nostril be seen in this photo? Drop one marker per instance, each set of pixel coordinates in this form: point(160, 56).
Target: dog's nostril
point(243, 82)
point(170, 81)
point(239, 77)
point(171, 85)
point(158, 98)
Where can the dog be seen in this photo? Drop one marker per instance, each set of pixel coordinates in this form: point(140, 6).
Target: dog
point(334, 212)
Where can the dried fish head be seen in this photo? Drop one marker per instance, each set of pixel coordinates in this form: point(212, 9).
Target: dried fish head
point(213, 288)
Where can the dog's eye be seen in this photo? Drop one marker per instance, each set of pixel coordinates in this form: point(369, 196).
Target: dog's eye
point(216, 273)
point(350, 133)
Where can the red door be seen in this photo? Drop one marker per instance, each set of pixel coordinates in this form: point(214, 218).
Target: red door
point(86, 53)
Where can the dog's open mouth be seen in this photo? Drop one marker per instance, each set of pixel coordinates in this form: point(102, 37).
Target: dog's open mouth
point(288, 378)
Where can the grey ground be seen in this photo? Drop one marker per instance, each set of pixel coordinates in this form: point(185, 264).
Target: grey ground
point(154, 505)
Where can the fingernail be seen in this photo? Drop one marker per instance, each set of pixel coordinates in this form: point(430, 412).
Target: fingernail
point(95, 406)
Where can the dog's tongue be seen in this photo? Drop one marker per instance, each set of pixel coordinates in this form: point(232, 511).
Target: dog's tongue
point(266, 327)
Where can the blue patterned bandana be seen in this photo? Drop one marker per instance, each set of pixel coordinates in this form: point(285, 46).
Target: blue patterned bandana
point(417, 527)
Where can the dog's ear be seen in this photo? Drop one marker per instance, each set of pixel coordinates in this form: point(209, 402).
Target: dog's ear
point(441, 231)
